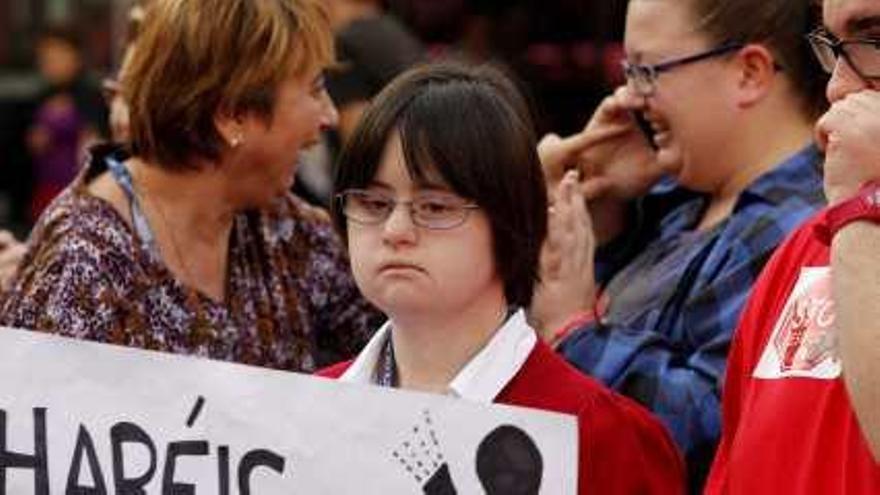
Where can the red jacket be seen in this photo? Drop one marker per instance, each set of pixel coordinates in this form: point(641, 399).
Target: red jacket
point(788, 425)
point(623, 449)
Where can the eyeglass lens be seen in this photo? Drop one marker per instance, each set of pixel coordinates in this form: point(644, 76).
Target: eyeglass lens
point(430, 211)
point(864, 56)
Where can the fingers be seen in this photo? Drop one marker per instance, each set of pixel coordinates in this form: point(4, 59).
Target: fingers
point(572, 226)
point(563, 197)
point(621, 102)
point(834, 119)
point(567, 280)
point(583, 140)
point(843, 113)
point(611, 121)
point(552, 154)
point(6, 275)
point(10, 259)
point(564, 203)
point(853, 116)
point(6, 238)
point(558, 154)
point(630, 100)
point(560, 221)
point(865, 100)
point(596, 187)
point(583, 220)
point(820, 135)
point(12, 255)
point(551, 252)
point(580, 222)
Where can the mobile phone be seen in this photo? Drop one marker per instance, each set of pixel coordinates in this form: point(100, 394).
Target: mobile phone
point(644, 127)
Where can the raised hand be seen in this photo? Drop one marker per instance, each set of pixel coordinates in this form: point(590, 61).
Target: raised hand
point(567, 284)
point(612, 155)
point(849, 133)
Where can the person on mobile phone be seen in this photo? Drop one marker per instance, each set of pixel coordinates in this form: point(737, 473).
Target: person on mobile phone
point(648, 298)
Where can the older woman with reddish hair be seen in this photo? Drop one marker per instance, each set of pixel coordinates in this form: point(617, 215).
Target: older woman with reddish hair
point(188, 240)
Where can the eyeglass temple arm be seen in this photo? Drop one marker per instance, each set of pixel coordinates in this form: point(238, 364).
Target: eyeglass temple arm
point(727, 47)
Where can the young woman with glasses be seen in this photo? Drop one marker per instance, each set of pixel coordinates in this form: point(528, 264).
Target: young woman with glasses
point(443, 207)
point(685, 216)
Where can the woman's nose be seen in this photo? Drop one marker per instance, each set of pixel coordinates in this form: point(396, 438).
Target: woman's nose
point(399, 226)
point(330, 116)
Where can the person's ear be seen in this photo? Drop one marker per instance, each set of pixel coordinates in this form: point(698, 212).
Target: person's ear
point(230, 127)
point(756, 70)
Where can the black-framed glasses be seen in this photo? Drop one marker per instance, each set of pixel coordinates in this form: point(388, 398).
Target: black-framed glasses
point(431, 209)
point(862, 54)
point(642, 78)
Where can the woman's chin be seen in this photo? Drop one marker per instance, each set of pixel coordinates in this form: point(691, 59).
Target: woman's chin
point(265, 200)
point(669, 160)
point(402, 302)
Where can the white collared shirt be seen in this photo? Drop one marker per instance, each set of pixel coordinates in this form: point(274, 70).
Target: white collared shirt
point(482, 378)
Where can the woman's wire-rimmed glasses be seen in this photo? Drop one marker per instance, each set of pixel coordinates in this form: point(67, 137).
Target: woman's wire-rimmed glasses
point(431, 210)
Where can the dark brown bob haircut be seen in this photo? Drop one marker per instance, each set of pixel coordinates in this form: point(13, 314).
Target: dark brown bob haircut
point(469, 127)
point(193, 59)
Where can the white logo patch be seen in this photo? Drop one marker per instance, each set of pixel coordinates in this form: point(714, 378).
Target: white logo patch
point(803, 343)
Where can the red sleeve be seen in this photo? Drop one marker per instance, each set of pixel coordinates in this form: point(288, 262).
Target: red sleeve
point(624, 450)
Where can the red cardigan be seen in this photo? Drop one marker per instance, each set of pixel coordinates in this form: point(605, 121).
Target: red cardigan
point(622, 448)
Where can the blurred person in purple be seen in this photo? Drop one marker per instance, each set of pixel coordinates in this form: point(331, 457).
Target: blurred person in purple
point(12, 250)
point(69, 115)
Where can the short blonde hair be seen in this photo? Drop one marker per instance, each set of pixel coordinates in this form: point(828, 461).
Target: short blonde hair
point(193, 58)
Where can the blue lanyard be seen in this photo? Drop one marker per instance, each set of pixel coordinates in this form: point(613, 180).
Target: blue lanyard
point(386, 367)
point(123, 177)
point(386, 375)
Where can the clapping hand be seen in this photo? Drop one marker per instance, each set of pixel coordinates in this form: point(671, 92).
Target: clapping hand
point(567, 284)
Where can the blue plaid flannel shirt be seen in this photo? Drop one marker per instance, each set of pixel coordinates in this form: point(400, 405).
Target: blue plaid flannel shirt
point(675, 299)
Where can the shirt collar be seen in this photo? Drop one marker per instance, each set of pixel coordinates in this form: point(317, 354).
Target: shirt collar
point(789, 171)
point(775, 187)
point(482, 378)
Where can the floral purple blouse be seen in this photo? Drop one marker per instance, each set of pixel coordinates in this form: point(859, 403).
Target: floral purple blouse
point(291, 302)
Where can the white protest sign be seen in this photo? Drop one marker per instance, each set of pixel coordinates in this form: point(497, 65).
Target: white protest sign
point(86, 418)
